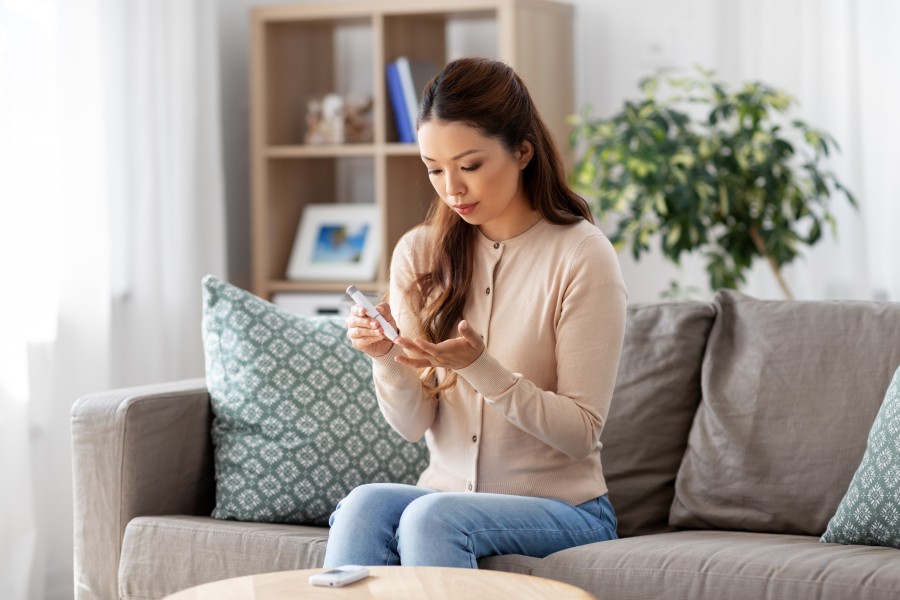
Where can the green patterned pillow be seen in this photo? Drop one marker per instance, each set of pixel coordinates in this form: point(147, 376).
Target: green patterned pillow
point(296, 422)
point(869, 513)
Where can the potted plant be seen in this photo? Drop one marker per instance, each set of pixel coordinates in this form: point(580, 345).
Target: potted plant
point(708, 169)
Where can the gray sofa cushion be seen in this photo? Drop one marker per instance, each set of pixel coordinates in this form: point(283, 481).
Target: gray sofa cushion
point(163, 555)
point(655, 398)
point(790, 390)
point(720, 564)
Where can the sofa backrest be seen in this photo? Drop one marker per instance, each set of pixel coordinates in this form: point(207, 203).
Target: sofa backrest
point(790, 390)
point(656, 396)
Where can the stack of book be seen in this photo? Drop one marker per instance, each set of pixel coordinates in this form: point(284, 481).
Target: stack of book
point(405, 81)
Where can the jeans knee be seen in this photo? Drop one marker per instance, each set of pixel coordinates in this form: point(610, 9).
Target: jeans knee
point(432, 532)
point(428, 514)
point(365, 493)
point(376, 503)
point(360, 500)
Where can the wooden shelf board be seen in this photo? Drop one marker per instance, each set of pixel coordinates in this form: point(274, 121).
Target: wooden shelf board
point(287, 285)
point(398, 149)
point(320, 151)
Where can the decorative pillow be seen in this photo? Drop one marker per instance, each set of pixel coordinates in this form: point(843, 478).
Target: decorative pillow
point(656, 396)
point(869, 514)
point(790, 391)
point(296, 425)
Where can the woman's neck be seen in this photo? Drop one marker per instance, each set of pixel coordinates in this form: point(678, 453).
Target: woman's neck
point(510, 228)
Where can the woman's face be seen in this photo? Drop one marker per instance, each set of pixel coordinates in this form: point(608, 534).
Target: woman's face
point(477, 177)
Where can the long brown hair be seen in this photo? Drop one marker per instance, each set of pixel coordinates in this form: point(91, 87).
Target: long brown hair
point(489, 96)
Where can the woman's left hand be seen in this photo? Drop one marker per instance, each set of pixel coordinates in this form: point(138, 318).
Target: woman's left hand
point(456, 353)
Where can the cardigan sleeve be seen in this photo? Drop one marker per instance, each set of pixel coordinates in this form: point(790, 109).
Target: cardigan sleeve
point(589, 333)
point(398, 389)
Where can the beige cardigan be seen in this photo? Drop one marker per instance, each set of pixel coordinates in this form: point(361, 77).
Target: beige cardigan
point(525, 417)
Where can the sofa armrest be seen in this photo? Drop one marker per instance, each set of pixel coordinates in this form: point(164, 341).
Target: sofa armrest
point(135, 452)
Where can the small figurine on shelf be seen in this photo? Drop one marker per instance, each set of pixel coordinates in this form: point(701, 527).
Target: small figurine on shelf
point(358, 118)
point(325, 120)
point(333, 119)
point(314, 122)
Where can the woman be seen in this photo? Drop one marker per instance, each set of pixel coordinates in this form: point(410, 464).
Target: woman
point(511, 310)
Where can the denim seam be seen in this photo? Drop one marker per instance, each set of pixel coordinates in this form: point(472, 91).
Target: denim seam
point(470, 545)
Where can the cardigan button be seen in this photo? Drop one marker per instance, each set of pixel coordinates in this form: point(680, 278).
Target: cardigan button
point(474, 438)
point(487, 291)
point(496, 245)
point(469, 487)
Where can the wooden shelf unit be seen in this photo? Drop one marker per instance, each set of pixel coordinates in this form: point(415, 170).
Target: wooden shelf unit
point(297, 53)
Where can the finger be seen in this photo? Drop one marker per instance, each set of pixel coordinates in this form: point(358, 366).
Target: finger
point(359, 312)
point(411, 351)
point(385, 310)
point(356, 322)
point(421, 346)
point(362, 321)
point(360, 333)
point(470, 334)
point(407, 344)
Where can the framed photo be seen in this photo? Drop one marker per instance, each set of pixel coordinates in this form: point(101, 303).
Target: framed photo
point(336, 242)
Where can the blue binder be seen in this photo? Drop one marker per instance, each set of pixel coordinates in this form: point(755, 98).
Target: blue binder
point(398, 103)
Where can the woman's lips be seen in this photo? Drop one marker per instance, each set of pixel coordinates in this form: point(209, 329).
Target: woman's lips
point(464, 209)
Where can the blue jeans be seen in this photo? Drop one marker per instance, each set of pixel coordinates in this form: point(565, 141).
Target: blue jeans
point(391, 524)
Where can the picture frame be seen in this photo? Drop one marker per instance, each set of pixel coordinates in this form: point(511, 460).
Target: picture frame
point(336, 242)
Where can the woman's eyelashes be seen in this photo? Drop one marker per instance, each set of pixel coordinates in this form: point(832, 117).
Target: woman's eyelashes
point(468, 169)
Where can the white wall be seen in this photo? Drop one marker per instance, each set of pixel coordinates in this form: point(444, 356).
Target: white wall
point(616, 43)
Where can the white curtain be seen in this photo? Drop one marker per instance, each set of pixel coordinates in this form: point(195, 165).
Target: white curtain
point(167, 197)
point(840, 59)
point(879, 96)
point(111, 211)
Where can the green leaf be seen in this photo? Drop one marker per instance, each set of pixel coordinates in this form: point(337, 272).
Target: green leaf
point(649, 85)
point(674, 235)
point(815, 232)
point(723, 198)
point(660, 203)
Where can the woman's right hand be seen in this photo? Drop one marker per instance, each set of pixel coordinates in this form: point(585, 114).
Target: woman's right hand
point(364, 332)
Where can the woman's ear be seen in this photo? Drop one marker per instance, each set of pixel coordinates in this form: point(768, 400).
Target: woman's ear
point(524, 154)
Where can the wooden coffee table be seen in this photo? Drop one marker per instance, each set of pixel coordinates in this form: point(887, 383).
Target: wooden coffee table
point(389, 583)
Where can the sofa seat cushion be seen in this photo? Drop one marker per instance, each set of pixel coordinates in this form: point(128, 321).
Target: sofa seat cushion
point(511, 563)
point(162, 555)
point(733, 565)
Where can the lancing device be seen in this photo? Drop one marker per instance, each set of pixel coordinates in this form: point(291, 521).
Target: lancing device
point(361, 299)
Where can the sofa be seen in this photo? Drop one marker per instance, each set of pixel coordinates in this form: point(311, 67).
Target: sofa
point(735, 430)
